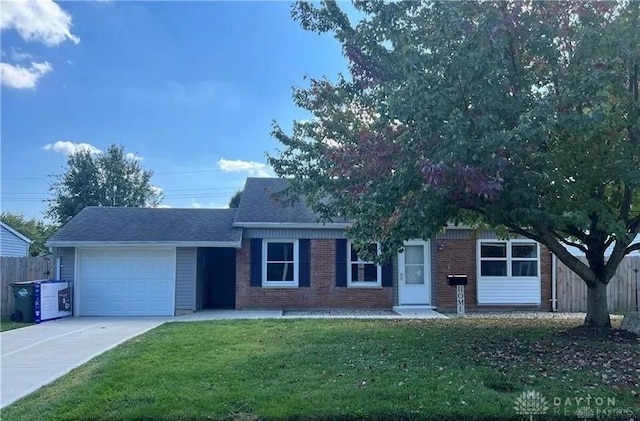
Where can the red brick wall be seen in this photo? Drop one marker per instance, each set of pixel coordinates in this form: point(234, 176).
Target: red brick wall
point(455, 257)
point(321, 294)
point(459, 257)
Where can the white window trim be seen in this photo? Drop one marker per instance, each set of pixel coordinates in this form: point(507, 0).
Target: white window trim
point(296, 265)
point(509, 260)
point(361, 284)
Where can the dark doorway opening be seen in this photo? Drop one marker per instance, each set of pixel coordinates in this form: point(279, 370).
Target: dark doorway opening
point(217, 277)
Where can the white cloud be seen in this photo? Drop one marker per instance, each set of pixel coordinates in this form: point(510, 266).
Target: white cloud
point(38, 20)
point(21, 77)
point(212, 205)
point(163, 206)
point(69, 148)
point(131, 155)
point(250, 167)
point(19, 55)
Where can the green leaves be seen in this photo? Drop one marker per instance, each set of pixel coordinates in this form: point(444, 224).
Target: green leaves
point(110, 178)
point(517, 115)
point(34, 229)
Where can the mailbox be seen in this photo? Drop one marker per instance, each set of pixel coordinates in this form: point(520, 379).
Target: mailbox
point(457, 280)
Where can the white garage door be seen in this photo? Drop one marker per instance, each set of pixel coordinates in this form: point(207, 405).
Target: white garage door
point(126, 282)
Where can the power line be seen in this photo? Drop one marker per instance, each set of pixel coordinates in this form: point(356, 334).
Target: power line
point(169, 197)
point(220, 189)
point(154, 173)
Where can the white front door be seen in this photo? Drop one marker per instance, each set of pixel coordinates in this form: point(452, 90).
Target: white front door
point(414, 274)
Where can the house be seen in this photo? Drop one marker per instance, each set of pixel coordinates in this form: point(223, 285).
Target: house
point(143, 262)
point(12, 243)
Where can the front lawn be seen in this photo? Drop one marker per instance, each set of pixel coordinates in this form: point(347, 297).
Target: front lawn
point(343, 369)
point(7, 324)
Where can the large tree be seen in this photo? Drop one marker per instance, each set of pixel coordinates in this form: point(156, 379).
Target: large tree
point(34, 229)
point(109, 178)
point(235, 199)
point(517, 115)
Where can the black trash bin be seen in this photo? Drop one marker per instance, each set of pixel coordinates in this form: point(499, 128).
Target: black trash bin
point(24, 293)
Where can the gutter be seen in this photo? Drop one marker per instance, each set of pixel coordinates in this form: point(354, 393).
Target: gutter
point(308, 225)
point(318, 225)
point(554, 283)
point(232, 244)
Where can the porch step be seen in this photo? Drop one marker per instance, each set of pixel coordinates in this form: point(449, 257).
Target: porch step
point(419, 312)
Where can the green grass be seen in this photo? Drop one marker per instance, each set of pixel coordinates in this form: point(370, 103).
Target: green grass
point(7, 324)
point(337, 369)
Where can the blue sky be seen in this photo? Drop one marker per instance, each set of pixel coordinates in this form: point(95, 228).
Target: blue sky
point(191, 87)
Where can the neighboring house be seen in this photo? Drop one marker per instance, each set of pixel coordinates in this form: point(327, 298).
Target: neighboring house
point(142, 261)
point(12, 243)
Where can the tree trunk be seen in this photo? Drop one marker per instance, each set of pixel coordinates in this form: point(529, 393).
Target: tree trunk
point(597, 310)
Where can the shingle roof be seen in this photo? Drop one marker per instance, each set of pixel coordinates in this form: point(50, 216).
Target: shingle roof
point(139, 225)
point(257, 204)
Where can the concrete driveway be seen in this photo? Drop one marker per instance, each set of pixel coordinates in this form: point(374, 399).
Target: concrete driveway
point(36, 355)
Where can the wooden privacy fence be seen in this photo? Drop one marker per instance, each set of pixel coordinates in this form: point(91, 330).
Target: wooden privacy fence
point(623, 291)
point(16, 269)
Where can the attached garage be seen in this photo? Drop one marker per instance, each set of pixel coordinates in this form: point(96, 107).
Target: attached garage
point(139, 261)
point(126, 282)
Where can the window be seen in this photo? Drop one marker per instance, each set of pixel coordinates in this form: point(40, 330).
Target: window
point(524, 259)
point(363, 273)
point(514, 258)
point(280, 263)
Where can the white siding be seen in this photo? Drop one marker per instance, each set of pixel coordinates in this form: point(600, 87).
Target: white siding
point(277, 233)
point(11, 245)
point(509, 291)
point(186, 265)
point(67, 257)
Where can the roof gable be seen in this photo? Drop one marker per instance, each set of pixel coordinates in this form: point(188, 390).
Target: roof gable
point(258, 207)
point(15, 232)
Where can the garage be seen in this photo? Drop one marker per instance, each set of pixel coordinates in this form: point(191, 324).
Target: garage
point(125, 281)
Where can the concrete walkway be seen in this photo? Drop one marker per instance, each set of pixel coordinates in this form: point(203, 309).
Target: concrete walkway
point(228, 315)
point(34, 356)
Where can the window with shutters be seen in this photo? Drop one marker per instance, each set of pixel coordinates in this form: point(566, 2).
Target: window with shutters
point(362, 272)
point(280, 263)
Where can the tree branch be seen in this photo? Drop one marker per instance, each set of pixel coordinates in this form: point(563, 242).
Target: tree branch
point(619, 251)
point(609, 241)
point(524, 233)
point(575, 232)
point(632, 248)
point(570, 243)
point(571, 261)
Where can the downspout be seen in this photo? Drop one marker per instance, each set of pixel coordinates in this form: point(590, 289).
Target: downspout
point(554, 281)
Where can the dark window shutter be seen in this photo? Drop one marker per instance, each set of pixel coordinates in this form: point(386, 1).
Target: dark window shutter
point(304, 253)
point(255, 262)
point(387, 274)
point(341, 263)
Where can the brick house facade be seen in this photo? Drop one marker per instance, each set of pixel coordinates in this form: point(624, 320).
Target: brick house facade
point(268, 255)
point(449, 255)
